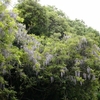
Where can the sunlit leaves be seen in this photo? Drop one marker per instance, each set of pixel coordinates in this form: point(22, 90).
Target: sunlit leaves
point(66, 62)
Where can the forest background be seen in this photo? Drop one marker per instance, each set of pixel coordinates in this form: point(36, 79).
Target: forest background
point(45, 55)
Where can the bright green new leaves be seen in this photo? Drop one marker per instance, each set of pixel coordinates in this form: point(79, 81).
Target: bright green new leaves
point(9, 55)
point(63, 66)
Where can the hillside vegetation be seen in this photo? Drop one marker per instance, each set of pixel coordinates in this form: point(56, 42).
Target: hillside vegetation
point(45, 55)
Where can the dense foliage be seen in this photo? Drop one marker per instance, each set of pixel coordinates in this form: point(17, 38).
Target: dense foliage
point(36, 19)
point(46, 56)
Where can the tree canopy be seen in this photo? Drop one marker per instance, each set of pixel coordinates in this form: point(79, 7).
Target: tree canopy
point(44, 55)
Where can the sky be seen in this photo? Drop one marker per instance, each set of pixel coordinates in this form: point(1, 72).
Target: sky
point(86, 10)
